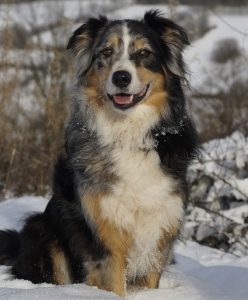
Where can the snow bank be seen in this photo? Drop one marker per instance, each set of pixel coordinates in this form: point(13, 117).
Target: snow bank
point(218, 210)
point(198, 55)
point(225, 161)
point(199, 273)
point(13, 212)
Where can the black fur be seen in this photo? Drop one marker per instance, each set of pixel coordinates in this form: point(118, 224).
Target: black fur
point(33, 261)
point(92, 27)
point(9, 246)
point(177, 139)
point(172, 38)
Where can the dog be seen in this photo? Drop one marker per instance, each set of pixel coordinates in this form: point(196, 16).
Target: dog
point(119, 187)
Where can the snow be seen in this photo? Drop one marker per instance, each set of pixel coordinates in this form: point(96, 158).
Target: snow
point(11, 216)
point(237, 214)
point(219, 185)
point(198, 55)
point(199, 273)
point(225, 160)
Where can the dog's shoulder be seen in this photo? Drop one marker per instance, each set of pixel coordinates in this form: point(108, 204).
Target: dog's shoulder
point(63, 178)
point(177, 145)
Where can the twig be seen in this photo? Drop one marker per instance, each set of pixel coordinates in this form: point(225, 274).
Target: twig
point(229, 25)
point(218, 214)
point(12, 157)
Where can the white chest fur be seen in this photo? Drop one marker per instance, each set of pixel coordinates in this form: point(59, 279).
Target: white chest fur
point(143, 201)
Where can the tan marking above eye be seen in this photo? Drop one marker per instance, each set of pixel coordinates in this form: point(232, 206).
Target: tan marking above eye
point(140, 43)
point(111, 43)
point(114, 40)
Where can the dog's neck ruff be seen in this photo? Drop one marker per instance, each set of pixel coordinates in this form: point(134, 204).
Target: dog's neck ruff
point(127, 131)
point(140, 130)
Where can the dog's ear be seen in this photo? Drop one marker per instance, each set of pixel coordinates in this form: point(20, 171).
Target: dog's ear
point(82, 41)
point(173, 40)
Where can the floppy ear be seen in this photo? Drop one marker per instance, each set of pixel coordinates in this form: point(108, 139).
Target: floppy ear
point(173, 40)
point(82, 42)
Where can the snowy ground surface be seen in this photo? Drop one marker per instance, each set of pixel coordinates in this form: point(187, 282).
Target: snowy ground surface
point(200, 272)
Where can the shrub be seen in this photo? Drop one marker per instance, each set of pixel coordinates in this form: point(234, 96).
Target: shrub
point(225, 50)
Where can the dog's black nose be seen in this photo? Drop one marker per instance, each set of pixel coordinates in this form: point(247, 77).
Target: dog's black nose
point(121, 78)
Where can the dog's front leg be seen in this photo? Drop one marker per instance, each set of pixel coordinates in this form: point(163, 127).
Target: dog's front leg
point(152, 279)
point(109, 274)
point(118, 274)
point(117, 242)
point(164, 253)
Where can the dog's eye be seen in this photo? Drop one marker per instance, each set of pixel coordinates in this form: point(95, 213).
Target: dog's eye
point(107, 52)
point(144, 53)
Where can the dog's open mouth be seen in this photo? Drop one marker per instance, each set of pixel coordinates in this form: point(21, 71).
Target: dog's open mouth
point(125, 101)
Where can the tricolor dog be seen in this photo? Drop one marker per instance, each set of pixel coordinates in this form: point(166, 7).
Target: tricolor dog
point(119, 187)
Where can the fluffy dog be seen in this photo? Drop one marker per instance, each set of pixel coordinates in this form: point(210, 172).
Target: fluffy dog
point(119, 187)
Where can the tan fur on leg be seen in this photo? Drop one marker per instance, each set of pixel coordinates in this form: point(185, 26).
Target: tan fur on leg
point(112, 274)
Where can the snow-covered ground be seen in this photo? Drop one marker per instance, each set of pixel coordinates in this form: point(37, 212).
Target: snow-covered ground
point(199, 273)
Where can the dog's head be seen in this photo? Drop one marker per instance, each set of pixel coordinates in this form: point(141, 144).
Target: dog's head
point(127, 63)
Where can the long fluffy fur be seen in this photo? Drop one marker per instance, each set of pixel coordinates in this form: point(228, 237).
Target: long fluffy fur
point(120, 185)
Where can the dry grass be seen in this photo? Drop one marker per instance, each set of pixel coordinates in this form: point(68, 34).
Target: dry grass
point(30, 138)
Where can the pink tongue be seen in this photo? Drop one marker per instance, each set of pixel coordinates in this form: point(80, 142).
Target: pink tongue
point(123, 99)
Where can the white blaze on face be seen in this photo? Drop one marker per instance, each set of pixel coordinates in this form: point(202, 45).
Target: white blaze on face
point(124, 64)
point(126, 42)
